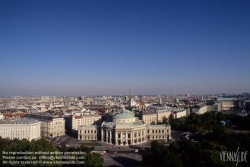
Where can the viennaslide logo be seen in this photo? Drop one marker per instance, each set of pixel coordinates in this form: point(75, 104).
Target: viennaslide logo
point(235, 156)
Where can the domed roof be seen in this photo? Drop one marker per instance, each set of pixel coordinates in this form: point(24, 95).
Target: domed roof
point(123, 114)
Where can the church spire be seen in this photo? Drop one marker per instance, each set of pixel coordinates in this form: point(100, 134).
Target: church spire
point(130, 93)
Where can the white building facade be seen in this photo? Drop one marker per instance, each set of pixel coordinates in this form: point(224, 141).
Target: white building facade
point(125, 129)
point(180, 113)
point(24, 128)
point(80, 119)
point(201, 110)
point(51, 126)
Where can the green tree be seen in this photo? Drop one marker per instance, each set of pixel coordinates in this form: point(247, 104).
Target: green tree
point(171, 119)
point(153, 123)
point(24, 145)
point(164, 120)
point(93, 159)
point(172, 159)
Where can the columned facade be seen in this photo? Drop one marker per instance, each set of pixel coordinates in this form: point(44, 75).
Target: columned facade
point(124, 130)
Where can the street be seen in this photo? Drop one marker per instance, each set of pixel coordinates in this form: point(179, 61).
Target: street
point(125, 159)
point(73, 142)
point(176, 136)
point(65, 140)
point(116, 155)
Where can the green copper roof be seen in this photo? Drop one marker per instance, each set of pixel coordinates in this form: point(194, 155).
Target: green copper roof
point(122, 114)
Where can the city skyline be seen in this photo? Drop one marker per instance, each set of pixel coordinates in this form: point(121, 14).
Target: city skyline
point(127, 95)
point(59, 48)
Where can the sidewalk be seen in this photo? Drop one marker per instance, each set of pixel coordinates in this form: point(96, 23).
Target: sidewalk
point(106, 146)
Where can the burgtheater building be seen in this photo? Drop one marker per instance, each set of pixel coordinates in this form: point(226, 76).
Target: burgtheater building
point(124, 129)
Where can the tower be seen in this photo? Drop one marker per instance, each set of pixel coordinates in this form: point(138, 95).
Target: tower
point(130, 93)
point(160, 101)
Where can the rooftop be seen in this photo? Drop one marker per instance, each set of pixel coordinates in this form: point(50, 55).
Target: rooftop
point(224, 98)
point(123, 114)
point(23, 120)
point(157, 126)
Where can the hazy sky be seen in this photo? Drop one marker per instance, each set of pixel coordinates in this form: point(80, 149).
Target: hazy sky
point(88, 47)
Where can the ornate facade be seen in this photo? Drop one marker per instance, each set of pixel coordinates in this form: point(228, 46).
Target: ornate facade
point(125, 129)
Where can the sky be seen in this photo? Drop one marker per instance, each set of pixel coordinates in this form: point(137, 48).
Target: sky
point(106, 47)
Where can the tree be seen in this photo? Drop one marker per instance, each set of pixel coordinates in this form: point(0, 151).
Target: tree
point(174, 147)
point(171, 119)
point(93, 159)
point(164, 120)
point(86, 149)
point(41, 145)
point(172, 159)
point(153, 123)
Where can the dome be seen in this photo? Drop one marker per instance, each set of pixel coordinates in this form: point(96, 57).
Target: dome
point(124, 114)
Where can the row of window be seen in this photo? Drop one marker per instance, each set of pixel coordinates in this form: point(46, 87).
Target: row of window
point(18, 131)
point(58, 126)
point(89, 138)
point(20, 127)
point(19, 138)
point(18, 134)
point(22, 131)
point(129, 135)
point(83, 123)
point(157, 137)
point(88, 119)
point(157, 131)
point(88, 131)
